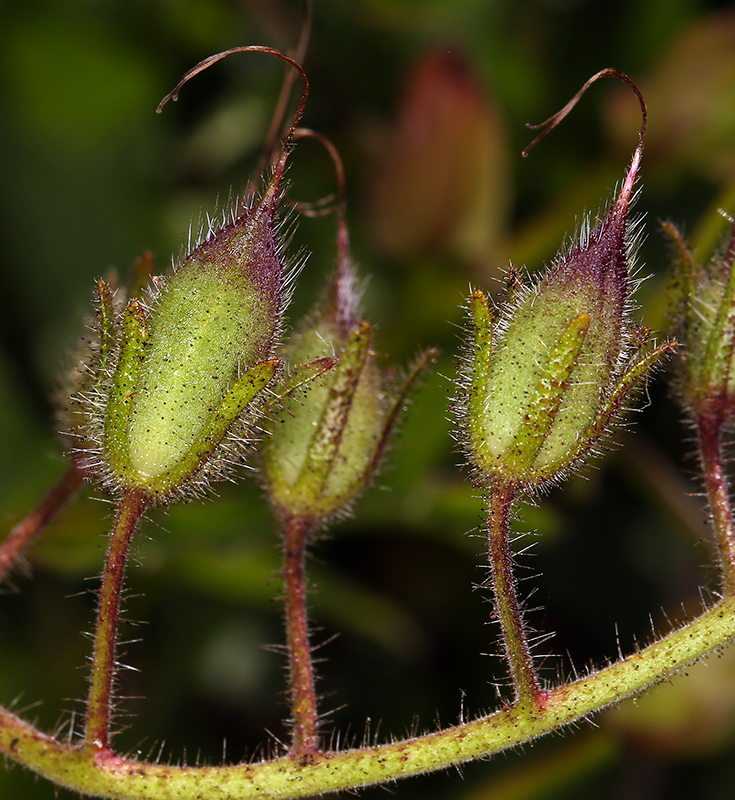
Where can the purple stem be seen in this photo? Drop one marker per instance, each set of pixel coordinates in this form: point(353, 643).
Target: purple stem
point(709, 432)
point(26, 531)
point(305, 739)
point(99, 704)
point(507, 606)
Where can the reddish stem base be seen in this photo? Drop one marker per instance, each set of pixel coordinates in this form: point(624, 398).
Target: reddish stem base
point(305, 741)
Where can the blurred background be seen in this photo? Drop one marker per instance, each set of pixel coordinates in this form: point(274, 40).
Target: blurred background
point(426, 102)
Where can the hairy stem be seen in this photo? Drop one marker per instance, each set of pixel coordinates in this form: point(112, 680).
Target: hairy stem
point(130, 510)
point(106, 775)
point(26, 531)
point(507, 606)
point(709, 432)
point(305, 740)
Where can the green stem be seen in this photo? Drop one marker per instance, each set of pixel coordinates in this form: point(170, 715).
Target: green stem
point(26, 531)
point(305, 741)
point(97, 736)
point(109, 776)
point(506, 603)
point(709, 432)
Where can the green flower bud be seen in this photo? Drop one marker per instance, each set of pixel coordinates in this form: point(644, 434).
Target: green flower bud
point(167, 380)
point(318, 458)
point(542, 385)
point(164, 394)
point(327, 441)
point(78, 386)
point(707, 380)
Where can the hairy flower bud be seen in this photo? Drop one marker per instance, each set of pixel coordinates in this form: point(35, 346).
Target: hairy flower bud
point(164, 395)
point(328, 439)
point(707, 381)
point(168, 379)
point(542, 385)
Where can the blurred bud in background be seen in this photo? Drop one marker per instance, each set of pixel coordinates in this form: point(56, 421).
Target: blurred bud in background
point(443, 182)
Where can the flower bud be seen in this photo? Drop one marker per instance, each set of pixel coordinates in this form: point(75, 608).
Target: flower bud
point(168, 385)
point(707, 381)
point(327, 442)
point(458, 205)
point(542, 385)
point(169, 378)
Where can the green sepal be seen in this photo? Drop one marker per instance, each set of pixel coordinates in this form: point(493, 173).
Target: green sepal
point(122, 389)
point(327, 437)
point(397, 406)
point(547, 398)
point(481, 360)
point(297, 379)
point(106, 324)
point(683, 263)
point(632, 378)
point(717, 362)
point(302, 375)
point(241, 394)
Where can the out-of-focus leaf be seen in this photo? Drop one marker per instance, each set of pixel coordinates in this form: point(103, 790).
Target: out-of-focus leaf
point(233, 129)
point(75, 84)
point(30, 464)
point(251, 574)
point(691, 102)
point(551, 775)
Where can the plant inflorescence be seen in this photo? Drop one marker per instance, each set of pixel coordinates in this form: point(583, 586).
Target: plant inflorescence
point(185, 376)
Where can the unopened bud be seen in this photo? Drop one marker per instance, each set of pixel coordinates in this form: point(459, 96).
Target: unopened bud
point(707, 381)
point(171, 381)
point(329, 438)
point(542, 385)
point(168, 378)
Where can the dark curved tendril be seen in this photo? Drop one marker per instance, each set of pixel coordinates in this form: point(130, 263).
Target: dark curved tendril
point(554, 120)
point(208, 62)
